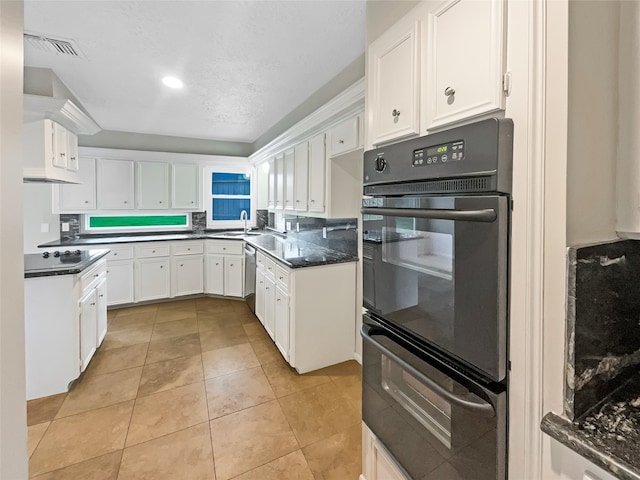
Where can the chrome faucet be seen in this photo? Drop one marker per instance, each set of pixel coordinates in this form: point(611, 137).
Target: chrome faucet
point(244, 216)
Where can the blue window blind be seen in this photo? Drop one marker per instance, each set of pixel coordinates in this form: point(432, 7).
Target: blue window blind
point(230, 195)
point(230, 184)
point(230, 208)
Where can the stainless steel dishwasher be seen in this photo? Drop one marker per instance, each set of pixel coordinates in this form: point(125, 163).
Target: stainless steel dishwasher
point(250, 276)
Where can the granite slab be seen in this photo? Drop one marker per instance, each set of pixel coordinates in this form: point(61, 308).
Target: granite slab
point(36, 266)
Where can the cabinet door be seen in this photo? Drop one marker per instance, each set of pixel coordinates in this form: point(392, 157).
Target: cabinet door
point(215, 275)
point(289, 167)
point(119, 282)
point(153, 185)
point(394, 83)
point(282, 322)
point(233, 276)
point(269, 306)
point(101, 312)
point(88, 328)
point(279, 164)
point(152, 279)
point(464, 79)
point(301, 177)
point(343, 137)
point(272, 185)
point(115, 185)
point(60, 135)
point(317, 174)
point(72, 152)
point(79, 197)
point(260, 295)
point(185, 183)
point(186, 275)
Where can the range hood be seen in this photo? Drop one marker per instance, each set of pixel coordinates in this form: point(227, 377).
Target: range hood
point(43, 116)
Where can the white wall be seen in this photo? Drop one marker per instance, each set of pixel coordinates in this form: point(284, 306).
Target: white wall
point(13, 430)
point(593, 120)
point(381, 14)
point(37, 211)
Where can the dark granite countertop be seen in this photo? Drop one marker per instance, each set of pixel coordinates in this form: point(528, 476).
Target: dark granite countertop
point(608, 435)
point(37, 266)
point(292, 252)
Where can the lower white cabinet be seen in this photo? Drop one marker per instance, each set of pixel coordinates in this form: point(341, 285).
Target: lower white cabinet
point(88, 328)
point(376, 462)
point(282, 322)
point(120, 282)
point(101, 314)
point(270, 306)
point(224, 274)
point(152, 279)
point(187, 275)
point(260, 296)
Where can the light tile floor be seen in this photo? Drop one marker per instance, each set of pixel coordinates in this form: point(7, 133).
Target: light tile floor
point(195, 389)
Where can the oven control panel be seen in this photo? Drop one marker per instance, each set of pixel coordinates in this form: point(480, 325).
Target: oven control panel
point(438, 154)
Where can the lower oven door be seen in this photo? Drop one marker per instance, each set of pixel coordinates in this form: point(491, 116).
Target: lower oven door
point(437, 424)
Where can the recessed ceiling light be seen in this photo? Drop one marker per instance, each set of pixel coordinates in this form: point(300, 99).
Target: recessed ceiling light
point(172, 82)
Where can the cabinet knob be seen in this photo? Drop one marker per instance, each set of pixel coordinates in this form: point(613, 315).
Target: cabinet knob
point(188, 249)
point(280, 278)
point(182, 265)
point(161, 266)
point(96, 275)
point(395, 113)
point(231, 264)
point(277, 299)
point(217, 263)
point(62, 154)
point(73, 158)
point(313, 201)
point(160, 201)
point(449, 91)
point(297, 201)
point(102, 295)
point(340, 141)
point(86, 201)
point(93, 303)
point(192, 201)
point(266, 288)
point(224, 248)
point(153, 251)
point(125, 202)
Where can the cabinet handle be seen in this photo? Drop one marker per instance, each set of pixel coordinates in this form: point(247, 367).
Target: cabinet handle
point(86, 201)
point(266, 288)
point(224, 248)
point(62, 154)
point(96, 275)
point(161, 266)
point(115, 254)
point(125, 202)
point(340, 141)
point(217, 263)
point(188, 249)
point(101, 296)
point(277, 299)
point(313, 201)
point(192, 201)
point(280, 278)
point(153, 251)
point(160, 201)
point(449, 91)
point(231, 264)
point(395, 113)
point(93, 303)
point(182, 265)
point(73, 158)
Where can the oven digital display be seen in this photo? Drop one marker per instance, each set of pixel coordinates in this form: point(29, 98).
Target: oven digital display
point(439, 154)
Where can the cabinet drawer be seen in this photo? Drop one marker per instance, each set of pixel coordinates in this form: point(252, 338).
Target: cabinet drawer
point(119, 252)
point(282, 277)
point(344, 137)
point(260, 260)
point(152, 250)
point(187, 248)
point(92, 275)
point(225, 247)
point(270, 267)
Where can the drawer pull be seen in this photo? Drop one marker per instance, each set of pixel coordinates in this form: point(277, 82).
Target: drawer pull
point(188, 249)
point(395, 113)
point(340, 141)
point(231, 264)
point(96, 275)
point(161, 266)
point(115, 254)
point(277, 299)
point(182, 265)
point(280, 278)
point(448, 92)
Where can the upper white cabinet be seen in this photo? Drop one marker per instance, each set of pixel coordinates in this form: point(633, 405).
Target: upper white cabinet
point(115, 185)
point(288, 179)
point(279, 181)
point(185, 186)
point(301, 177)
point(394, 82)
point(152, 185)
point(82, 196)
point(463, 79)
point(50, 152)
point(272, 184)
point(344, 137)
point(317, 174)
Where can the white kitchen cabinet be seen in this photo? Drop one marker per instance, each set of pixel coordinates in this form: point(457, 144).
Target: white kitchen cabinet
point(88, 328)
point(187, 275)
point(570, 465)
point(49, 152)
point(289, 168)
point(271, 204)
point(344, 137)
point(317, 174)
point(225, 268)
point(270, 306)
point(393, 78)
point(120, 285)
point(152, 278)
point(115, 184)
point(260, 295)
point(101, 314)
point(80, 197)
point(282, 328)
point(463, 80)
point(152, 185)
point(301, 177)
point(233, 276)
point(376, 462)
point(279, 182)
point(185, 186)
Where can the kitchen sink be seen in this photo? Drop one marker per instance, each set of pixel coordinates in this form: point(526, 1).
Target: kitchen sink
point(239, 234)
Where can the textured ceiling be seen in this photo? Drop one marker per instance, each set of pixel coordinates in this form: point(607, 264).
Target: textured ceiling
point(245, 65)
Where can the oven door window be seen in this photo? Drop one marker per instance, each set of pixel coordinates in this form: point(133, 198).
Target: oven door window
point(442, 279)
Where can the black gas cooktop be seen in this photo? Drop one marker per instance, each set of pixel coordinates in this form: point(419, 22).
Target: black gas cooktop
point(60, 262)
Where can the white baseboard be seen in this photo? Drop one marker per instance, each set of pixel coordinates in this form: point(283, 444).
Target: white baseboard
point(358, 358)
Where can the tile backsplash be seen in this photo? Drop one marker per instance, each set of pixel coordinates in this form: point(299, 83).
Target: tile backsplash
point(73, 219)
point(603, 322)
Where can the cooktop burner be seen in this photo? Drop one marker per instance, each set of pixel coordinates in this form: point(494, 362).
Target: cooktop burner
point(66, 253)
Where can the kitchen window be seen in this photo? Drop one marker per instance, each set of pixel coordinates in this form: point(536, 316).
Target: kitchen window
point(229, 194)
point(135, 223)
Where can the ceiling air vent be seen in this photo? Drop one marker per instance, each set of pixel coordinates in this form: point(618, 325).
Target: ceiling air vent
point(51, 45)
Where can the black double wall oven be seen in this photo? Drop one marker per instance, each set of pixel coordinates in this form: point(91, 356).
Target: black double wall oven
point(436, 217)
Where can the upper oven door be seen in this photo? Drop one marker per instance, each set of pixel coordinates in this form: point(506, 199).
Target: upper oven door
point(436, 267)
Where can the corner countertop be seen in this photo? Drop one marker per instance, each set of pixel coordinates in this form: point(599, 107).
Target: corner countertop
point(36, 266)
point(292, 252)
point(608, 435)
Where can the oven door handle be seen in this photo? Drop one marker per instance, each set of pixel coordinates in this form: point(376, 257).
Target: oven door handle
point(470, 402)
point(484, 215)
